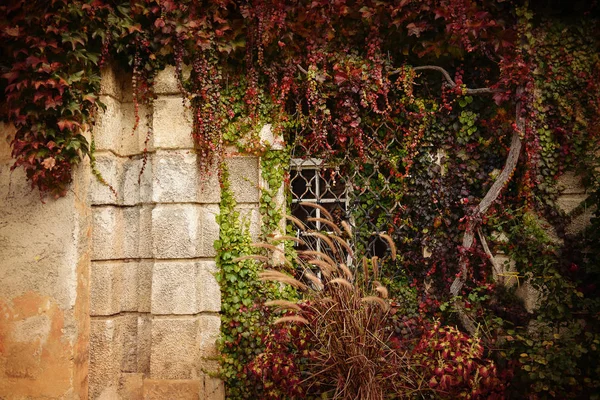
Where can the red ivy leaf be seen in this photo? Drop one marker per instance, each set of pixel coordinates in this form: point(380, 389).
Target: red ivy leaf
point(12, 31)
point(11, 76)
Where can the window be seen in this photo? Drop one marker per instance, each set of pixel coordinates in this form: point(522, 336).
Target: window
point(313, 182)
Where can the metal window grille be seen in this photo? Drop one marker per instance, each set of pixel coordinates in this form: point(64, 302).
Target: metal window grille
point(337, 188)
point(312, 181)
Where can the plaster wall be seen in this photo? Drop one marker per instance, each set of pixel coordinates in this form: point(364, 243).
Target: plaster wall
point(44, 286)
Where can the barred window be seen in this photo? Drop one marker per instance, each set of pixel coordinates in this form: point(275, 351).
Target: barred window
point(314, 182)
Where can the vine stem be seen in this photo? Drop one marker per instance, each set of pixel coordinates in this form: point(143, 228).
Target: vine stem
point(450, 81)
point(491, 196)
point(474, 220)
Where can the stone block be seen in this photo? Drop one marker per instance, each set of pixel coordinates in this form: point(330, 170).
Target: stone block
point(175, 177)
point(580, 222)
point(208, 289)
point(144, 285)
point(175, 231)
point(145, 232)
point(109, 167)
point(105, 288)
point(130, 180)
point(166, 81)
point(108, 126)
point(131, 232)
point(184, 230)
point(119, 232)
point(507, 273)
point(107, 225)
point(175, 351)
point(251, 218)
point(106, 354)
point(160, 389)
point(244, 178)
point(175, 288)
point(123, 175)
point(129, 324)
point(110, 85)
point(209, 330)
point(172, 123)
point(131, 386)
point(178, 178)
point(144, 343)
point(133, 141)
point(269, 139)
point(130, 286)
point(210, 230)
point(568, 203)
point(8, 132)
point(531, 297)
point(212, 389)
point(570, 183)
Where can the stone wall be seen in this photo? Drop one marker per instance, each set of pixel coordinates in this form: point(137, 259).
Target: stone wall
point(154, 299)
point(44, 286)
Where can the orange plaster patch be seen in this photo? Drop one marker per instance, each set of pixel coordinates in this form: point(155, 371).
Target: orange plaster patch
point(35, 357)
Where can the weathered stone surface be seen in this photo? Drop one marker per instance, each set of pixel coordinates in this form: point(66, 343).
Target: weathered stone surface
point(106, 355)
point(175, 288)
point(175, 349)
point(530, 296)
point(121, 232)
point(209, 326)
point(131, 386)
point(133, 141)
point(123, 176)
point(208, 290)
point(580, 222)
point(130, 236)
point(108, 126)
point(109, 166)
point(129, 323)
point(212, 389)
point(210, 230)
point(244, 177)
point(178, 179)
point(250, 217)
point(135, 188)
point(160, 389)
point(144, 285)
point(144, 335)
point(106, 288)
point(184, 230)
point(166, 81)
point(568, 203)
point(175, 231)
point(570, 183)
point(118, 286)
point(267, 138)
point(110, 84)
point(172, 124)
point(507, 270)
point(44, 280)
point(145, 232)
point(107, 229)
